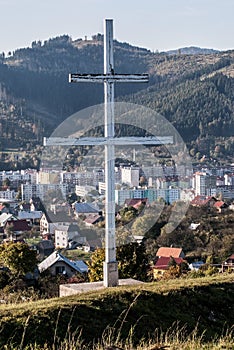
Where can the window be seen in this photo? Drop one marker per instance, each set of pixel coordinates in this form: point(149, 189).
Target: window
point(60, 270)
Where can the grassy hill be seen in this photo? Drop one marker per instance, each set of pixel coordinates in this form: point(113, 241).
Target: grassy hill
point(204, 304)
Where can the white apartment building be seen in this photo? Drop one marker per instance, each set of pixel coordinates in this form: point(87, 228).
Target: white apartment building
point(200, 183)
point(40, 190)
point(19, 176)
point(77, 178)
point(130, 176)
point(170, 195)
point(204, 183)
point(82, 191)
point(8, 194)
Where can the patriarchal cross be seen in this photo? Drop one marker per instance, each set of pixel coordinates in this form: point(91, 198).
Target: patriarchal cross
point(109, 141)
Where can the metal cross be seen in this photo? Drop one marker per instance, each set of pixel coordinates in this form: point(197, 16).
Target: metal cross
point(109, 141)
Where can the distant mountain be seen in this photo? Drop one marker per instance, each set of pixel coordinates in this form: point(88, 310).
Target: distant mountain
point(194, 91)
point(192, 50)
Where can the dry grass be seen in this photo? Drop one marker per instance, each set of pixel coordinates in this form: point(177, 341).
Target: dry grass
point(95, 315)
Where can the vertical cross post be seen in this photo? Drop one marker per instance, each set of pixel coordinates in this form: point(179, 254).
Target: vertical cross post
point(109, 78)
point(110, 264)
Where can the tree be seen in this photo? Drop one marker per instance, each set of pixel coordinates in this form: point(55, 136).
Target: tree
point(142, 224)
point(18, 257)
point(132, 262)
point(71, 198)
point(6, 182)
point(128, 213)
point(96, 265)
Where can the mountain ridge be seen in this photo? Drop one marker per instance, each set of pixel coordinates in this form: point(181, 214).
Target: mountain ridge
point(192, 50)
point(37, 79)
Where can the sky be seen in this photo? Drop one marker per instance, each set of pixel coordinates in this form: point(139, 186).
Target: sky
point(154, 24)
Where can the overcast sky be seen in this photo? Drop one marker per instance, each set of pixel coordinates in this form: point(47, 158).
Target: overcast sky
point(153, 24)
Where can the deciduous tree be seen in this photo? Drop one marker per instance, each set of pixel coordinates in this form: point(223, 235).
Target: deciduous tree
point(18, 257)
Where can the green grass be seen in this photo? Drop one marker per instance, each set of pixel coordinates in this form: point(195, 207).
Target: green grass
point(76, 254)
point(201, 308)
point(33, 241)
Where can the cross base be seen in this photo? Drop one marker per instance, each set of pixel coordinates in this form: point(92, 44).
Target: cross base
point(111, 276)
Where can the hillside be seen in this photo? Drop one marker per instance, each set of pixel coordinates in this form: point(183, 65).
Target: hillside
point(192, 50)
point(194, 91)
point(202, 303)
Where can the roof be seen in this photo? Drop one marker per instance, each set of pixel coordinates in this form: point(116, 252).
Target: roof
point(196, 264)
point(82, 208)
point(73, 228)
point(4, 217)
point(219, 204)
point(136, 202)
point(46, 244)
point(194, 226)
point(18, 225)
point(95, 243)
point(169, 252)
point(81, 265)
point(201, 200)
point(162, 263)
point(92, 218)
point(68, 228)
point(56, 256)
point(231, 257)
point(58, 217)
point(30, 215)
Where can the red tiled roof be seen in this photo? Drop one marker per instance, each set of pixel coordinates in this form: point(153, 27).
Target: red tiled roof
point(201, 200)
point(169, 252)
point(162, 263)
point(219, 204)
point(136, 202)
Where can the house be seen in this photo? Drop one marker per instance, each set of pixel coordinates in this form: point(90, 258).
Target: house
point(84, 209)
point(92, 219)
point(16, 228)
point(194, 226)
point(163, 263)
point(136, 202)
point(228, 264)
point(58, 264)
point(50, 221)
point(45, 247)
point(31, 216)
point(138, 239)
point(92, 245)
point(4, 217)
point(170, 252)
point(220, 206)
point(68, 236)
point(200, 201)
point(196, 265)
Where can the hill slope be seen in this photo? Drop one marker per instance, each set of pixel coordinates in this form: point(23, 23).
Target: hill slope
point(205, 303)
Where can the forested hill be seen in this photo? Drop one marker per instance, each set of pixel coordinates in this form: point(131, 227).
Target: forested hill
point(40, 74)
point(194, 91)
